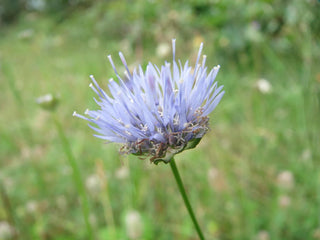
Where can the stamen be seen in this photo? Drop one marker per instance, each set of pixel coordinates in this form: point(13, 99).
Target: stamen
point(129, 133)
point(125, 63)
point(112, 64)
point(159, 130)
point(176, 120)
point(199, 53)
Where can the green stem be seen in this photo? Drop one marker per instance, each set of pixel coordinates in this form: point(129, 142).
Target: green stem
point(185, 198)
point(8, 208)
point(76, 176)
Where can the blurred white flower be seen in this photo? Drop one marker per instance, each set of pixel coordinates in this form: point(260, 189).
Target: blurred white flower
point(32, 206)
point(163, 50)
point(7, 182)
point(122, 172)
point(26, 34)
point(262, 235)
point(93, 184)
point(134, 225)
point(285, 180)
point(252, 32)
point(284, 201)
point(263, 86)
point(48, 101)
point(6, 230)
point(306, 155)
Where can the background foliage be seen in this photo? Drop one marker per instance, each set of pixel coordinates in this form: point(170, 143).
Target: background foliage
point(254, 176)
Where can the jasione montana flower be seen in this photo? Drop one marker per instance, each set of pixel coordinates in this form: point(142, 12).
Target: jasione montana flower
point(158, 112)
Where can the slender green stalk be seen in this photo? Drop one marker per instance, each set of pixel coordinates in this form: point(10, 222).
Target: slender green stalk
point(26, 130)
point(185, 198)
point(76, 176)
point(8, 208)
point(105, 199)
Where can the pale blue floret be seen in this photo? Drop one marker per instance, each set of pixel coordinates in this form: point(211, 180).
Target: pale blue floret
point(156, 110)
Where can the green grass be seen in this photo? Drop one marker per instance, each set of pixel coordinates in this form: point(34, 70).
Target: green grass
point(254, 137)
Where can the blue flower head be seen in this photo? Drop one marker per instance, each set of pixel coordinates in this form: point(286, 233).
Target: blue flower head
point(158, 112)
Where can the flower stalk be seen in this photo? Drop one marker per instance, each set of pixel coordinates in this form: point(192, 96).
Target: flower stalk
point(185, 198)
point(76, 176)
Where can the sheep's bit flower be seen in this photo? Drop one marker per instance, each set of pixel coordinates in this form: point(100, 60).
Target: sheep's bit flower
point(157, 113)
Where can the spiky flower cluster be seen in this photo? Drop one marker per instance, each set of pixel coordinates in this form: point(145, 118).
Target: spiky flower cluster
point(156, 113)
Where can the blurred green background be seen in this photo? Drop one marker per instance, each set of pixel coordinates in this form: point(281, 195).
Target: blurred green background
point(255, 175)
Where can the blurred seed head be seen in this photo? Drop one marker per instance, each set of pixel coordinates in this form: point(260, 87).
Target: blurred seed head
point(163, 50)
point(6, 230)
point(48, 102)
point(26, 34)
point(7, 182)
point(32, 206)
point(252, 32)
point(93, 184)
point(284, 201)
point(134, 225)
point(263, 86)
point(306, 155)
point(285, 180)
point(122, 172)
point(262, 235)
